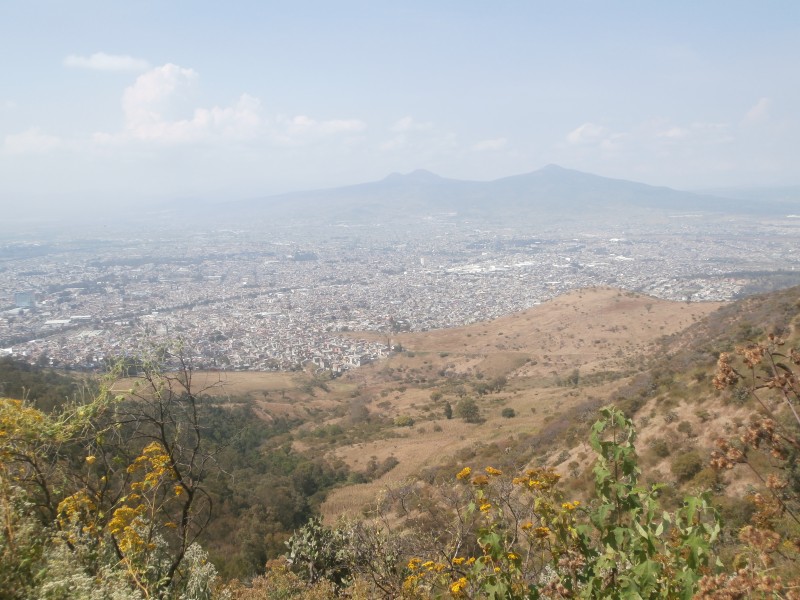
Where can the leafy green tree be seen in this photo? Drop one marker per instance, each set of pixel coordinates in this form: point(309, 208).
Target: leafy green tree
point(448, 410)
point(687, 465)
point(118, 480)
point(318, 552)
point(468, 410)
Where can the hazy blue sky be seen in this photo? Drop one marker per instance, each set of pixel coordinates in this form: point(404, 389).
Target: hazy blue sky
point(116, 102)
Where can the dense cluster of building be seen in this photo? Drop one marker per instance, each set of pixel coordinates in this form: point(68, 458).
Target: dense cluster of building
point(291, 297)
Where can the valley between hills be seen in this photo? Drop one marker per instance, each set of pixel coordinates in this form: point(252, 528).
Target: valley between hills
point(391, 456)
point(554, 362)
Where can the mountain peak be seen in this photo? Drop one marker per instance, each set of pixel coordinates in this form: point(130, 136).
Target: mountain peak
point(552, 168)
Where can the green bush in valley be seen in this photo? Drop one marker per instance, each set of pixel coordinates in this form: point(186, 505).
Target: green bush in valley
point(687, 465)
point(448, 410)
point(468, 410)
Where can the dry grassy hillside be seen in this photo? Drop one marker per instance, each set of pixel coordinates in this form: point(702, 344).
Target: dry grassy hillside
point(593, 329)
point(537, 379)
point(555, 358)
point(294, 396)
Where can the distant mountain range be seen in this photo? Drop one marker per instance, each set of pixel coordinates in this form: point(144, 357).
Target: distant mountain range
point(551, 193)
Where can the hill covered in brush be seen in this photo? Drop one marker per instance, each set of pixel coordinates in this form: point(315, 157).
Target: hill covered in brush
point(472, 462)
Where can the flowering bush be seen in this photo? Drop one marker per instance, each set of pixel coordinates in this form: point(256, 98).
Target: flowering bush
point(534, 544)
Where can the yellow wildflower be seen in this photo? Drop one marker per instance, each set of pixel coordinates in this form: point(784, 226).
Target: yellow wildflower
point(458, 560)
point(485, 506)
point(527, 525)
point(541, 532)
point(410, 583)
point(493, 471)
point(464, 473)
point(90, 460)
point(413, 564)
point(458, 585)
point(512, 556)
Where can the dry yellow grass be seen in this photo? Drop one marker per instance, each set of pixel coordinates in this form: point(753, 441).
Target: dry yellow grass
point(594, 330)
point(581, 327)
point(272, 395)
point(232, 383)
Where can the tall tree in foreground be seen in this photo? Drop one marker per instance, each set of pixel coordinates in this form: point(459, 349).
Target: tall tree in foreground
point(113, 488)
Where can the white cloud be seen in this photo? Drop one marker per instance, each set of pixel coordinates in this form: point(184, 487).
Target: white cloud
point(240, 120)
point(148, 104)
point(673, 133)
point(342, 126)
point(100, 61)
point(489, 145)
point(144, 102)
point(586, 134)
point(760, 111)
point(407, 124)
point(145, 105)
point(31, 141)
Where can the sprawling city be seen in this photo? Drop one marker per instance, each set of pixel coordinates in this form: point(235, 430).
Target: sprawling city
point(291, 297)
point(399, 300)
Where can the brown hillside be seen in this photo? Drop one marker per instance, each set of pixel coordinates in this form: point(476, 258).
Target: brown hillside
point(605, 333)
point(596, 329)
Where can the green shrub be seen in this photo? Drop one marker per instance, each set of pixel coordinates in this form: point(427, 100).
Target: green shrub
point(687, 465)
point(624, 545)
point(468, 410)
point(660, 447)
point(403, 421)
point(703, 415)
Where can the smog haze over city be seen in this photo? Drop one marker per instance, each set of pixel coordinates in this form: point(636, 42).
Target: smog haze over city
point(266, 180)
